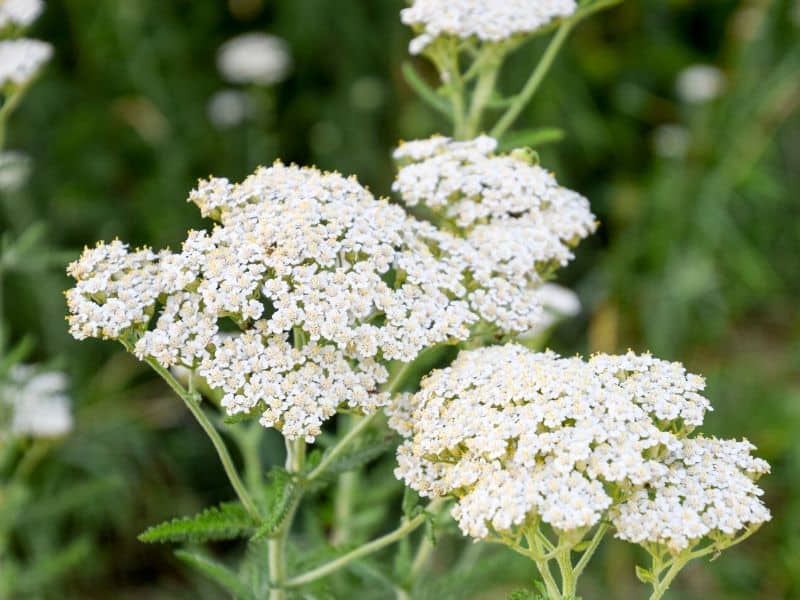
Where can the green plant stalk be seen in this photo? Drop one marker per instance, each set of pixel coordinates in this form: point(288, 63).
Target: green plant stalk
point(533, 83)
point(345, 493)
point(249, 442)
point(295, 459)
point(590, 550)
point(541, 70)
point(568, 579)
point(487, 80)
point(192, 401)
point(660, 588)
point(365, 550)
point(341, 446)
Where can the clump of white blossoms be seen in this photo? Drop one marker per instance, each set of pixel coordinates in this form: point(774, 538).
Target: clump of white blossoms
point(21, 60)
point(321, 281)
point(530, 443)
point(19, 13)
point(520, 223)
point(37, 402)
point(515, 434)
point(707, 492)
point(488, 21)
point(256, 58)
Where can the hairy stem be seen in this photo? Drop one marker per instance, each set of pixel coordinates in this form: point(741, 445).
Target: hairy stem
point(295, 458)
point(365, 550)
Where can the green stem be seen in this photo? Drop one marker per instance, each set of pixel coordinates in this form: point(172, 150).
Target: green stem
point(249, 442)
point(192, 401)
point(549, 581)
point(345, 494)
point(483, 90)
point(663, 585)
point(590, 550)
point(568, 579)
point(536, 78)
point(365, 550)
point(295, 458)
point(341, 446)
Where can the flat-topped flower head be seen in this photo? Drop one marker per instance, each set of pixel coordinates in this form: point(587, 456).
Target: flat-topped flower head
point(520, 224)
point(319, 280)
point(708, 492)
point(21, 60)
point(36, 401)
point(517, 435)
point(19, 13)
point(485, 20)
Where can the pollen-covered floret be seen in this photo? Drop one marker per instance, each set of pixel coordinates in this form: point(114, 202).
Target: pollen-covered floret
point(489, 21)
point(515, 434)
point(298, 258)
point(21, 60)
point(708, 491)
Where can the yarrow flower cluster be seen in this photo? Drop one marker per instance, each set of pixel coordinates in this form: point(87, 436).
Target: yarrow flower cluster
point(520, 223)
point(21, 60)
point(517, 436)
point(256, 58)
point(19, 13)
point(297, 256)
point(488, 21)
point(708, 490)
point(36, 402)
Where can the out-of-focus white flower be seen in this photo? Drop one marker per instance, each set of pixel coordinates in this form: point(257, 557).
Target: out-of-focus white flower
point(39, 404)
point(19, 13)
point(559, 303)
point(671, 141)
point(15, 168)
point(229, 108)
point(700, 83)
point(488, 20)
point(21, 60)
point(256, 58)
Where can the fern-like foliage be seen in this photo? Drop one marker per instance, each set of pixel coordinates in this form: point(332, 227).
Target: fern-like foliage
point(283, 490)
point(228, 521)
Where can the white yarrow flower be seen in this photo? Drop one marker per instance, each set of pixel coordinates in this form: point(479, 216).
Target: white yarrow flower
point(519, 222)
point(229, 108)
point(486, 20)
point(515, 435)
point(21, 60)
point(296, 254)
point(256, 58)
point(700, 83)
point(15, 168)
point(20, 13)
point(38, 401)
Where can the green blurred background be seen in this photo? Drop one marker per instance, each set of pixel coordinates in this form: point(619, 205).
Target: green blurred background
point(696, 260)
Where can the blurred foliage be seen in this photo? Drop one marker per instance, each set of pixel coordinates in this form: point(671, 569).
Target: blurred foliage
point(697, 258)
